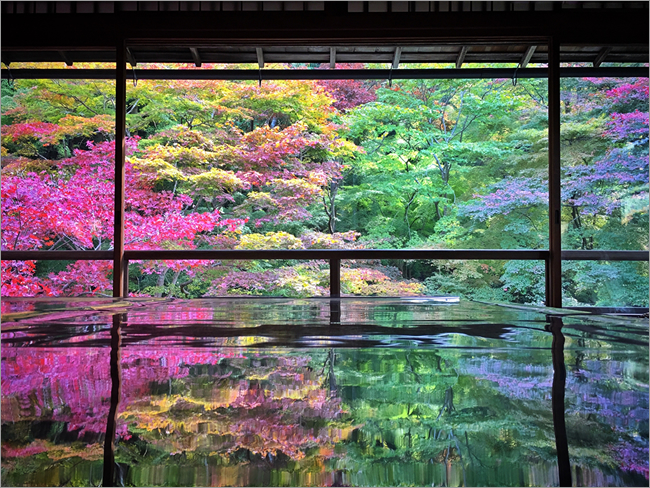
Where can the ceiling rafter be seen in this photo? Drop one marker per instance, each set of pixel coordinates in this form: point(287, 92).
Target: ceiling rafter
point(260, 57)
point(66, 59)
point(461, 57)
point(396, 56)
point(131, 58)
point(527, 56)
point(601, 56)
point(196, 57)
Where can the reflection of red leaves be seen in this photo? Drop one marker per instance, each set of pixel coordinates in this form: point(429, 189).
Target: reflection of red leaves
point(262, 408)
point(74, 385)
point(32, 449)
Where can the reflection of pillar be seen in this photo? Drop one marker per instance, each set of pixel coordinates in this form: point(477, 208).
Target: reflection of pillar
point(109, 439)
point(332, 378)
point(335, 278)
point(335, 312)
point(557, 401)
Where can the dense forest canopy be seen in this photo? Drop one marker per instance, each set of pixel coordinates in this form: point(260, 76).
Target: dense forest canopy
point(429, 164)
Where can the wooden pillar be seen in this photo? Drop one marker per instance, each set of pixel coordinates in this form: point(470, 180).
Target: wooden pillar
point(120, 133)
point(554, 276)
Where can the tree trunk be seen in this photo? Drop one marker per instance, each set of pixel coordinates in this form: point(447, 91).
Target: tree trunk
point(161, 283)
point(437, 210)
point(330, 207)
point(171, 288)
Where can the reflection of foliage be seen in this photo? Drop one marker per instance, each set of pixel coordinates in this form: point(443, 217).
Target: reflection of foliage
point(263, 404)
point(460, 411)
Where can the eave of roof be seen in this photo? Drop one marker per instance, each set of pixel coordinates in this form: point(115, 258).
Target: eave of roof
point(307, 37)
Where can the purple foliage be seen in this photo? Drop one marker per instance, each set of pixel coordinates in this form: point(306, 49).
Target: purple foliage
point(505, 197)
point(595, 187)
point(246, 280)
point(632, 458)
point(628, 127)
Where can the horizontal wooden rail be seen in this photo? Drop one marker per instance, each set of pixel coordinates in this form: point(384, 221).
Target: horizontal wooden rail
point(333, 255)
point(318, 74)
point(301, 254)
point(56, 255)
point(339, 254)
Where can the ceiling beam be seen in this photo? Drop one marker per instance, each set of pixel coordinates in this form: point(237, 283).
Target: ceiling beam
point(260, 57)
point(461, 57)
point(196, 57)
point(601, 56)
point(332, 57)
point(311, 74)
point(396, 56)
point(529, 54)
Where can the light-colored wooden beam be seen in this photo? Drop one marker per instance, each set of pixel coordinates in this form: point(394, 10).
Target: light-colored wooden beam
point(601, 56)
point(461, 57)
point(332, 57)
point(396, 56)
point(196, 57)
point(260, 57)
point(527, 56)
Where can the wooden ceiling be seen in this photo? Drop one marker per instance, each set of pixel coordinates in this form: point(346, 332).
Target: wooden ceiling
point(331, 33)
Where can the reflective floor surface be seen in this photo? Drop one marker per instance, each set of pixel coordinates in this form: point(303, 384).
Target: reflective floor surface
point(319, 392)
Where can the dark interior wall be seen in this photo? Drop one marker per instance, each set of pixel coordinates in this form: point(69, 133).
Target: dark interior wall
point(97, 25)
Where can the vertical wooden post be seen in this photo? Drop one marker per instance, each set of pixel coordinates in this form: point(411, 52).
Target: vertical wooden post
point(120, 133)
point(335, 278)
point(554, 284)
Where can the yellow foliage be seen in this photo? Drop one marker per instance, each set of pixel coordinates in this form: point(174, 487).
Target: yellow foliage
point(161, 168)
point(270, 240)
point(217, 180)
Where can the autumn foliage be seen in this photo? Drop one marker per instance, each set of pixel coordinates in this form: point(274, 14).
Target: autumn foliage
point(323, 164)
